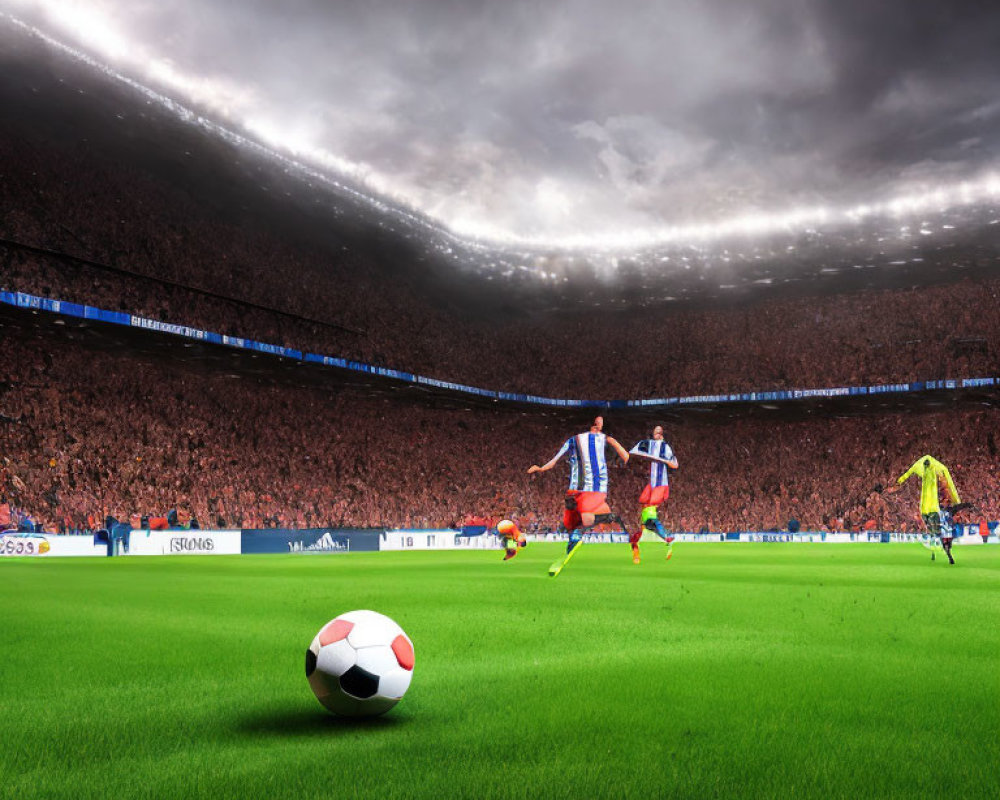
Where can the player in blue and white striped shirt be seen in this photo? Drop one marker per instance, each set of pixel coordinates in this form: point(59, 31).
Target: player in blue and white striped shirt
point(586, 503)
point(662, 459)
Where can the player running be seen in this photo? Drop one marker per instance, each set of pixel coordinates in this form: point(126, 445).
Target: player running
point(586, 503)
point(513, 538)
point(931, 471)
point(657, 490)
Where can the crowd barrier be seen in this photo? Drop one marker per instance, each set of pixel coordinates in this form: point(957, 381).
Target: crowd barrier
point(357, 540)
point(29, 301)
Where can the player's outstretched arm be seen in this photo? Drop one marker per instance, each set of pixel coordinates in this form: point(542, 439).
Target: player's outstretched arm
point(670, 462)
point(622, 452)
point(908, 474)
point(549, 464)
point(951, 487)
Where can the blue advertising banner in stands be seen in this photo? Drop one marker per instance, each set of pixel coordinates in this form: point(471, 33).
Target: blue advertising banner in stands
point(312, 540)
point(29, 301)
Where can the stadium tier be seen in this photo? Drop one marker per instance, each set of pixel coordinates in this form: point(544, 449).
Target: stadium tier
point(91, 429)
point(120, 236)
point(133, 243)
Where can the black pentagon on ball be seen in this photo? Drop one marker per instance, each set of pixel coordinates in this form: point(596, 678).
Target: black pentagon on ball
point(310, 662)
point(359, 682)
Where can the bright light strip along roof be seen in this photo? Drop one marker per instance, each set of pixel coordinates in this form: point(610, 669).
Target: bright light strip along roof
point(309, 161)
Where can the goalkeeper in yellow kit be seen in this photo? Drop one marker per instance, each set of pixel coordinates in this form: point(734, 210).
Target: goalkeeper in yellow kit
point(938, 525)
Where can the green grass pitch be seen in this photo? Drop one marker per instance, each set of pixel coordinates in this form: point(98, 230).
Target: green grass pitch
point(759, 670)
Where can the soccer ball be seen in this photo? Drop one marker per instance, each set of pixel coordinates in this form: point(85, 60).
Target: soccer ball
point(360, 664)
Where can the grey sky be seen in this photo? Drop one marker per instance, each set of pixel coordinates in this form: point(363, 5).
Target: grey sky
point(549, 119)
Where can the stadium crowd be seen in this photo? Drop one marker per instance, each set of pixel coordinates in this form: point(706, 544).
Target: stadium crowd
point(338, 299)
point(86, 433)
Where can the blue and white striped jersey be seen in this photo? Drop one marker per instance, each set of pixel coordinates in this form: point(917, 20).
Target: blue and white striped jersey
point(657, 472)
point(587, 464)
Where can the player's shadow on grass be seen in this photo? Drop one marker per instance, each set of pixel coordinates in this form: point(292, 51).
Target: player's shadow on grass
point(312, 723)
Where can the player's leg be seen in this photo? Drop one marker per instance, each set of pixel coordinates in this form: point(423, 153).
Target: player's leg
point(593, 510)
point(558, 566)
point(660, 496)
point(582, 512)
point(633, 540)
point(598, 512)
point(650, 498)
point(590, 506)
point(947, 532)
point(650, 516)
point(645, 515)
point(509, 531)
point(572, 521)
point(608, 517)
point(946, 546)
point(933, 523)
point(603, 515)
point(510, 549)
point(572, 525)
point(651, 522)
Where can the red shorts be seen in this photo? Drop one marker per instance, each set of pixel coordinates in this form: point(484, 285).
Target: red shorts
point(653, 497)
point(586, 502)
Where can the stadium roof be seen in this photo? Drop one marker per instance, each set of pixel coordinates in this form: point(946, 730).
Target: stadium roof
point(579, 123)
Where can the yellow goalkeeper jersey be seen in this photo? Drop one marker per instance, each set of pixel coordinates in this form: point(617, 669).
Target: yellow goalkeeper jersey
point(929, 477)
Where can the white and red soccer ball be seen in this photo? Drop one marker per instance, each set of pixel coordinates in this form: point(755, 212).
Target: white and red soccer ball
point(360, 664)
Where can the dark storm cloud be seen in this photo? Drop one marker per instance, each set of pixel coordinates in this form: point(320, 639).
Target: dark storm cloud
point(921, 78)
point(578, 116)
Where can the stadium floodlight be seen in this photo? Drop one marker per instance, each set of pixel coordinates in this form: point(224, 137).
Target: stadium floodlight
point(89, 24)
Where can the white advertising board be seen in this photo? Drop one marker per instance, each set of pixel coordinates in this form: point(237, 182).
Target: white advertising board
point(49, 544)
point(436, 540)
point(184, 543)
point(689, 537)
point(589, 538)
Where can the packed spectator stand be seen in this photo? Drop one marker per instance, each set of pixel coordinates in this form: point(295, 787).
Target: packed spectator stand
point(85, 433)
point(342, 300)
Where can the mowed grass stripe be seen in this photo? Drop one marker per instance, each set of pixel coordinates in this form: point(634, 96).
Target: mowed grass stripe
point(762, 670)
